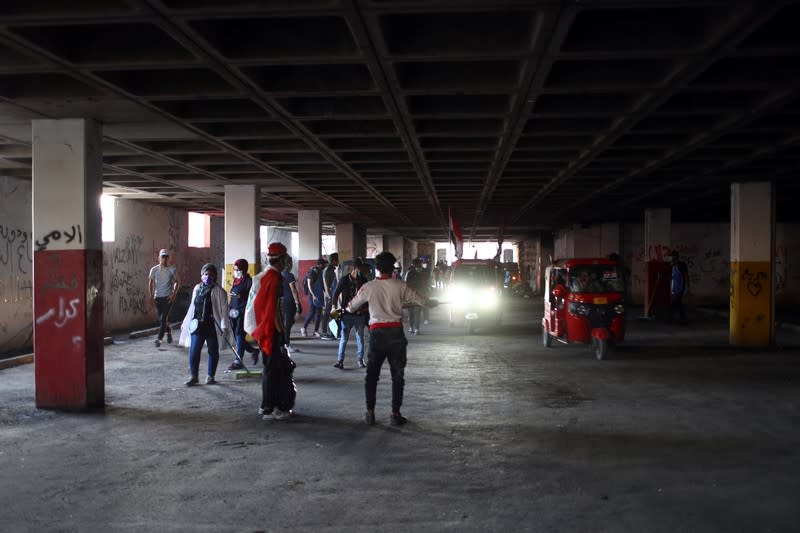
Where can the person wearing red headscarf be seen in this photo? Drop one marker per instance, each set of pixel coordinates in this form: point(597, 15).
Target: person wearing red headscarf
point(242, 283)
point(277, 387)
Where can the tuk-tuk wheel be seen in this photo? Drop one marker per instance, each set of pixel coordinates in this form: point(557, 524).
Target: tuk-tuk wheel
point(547, 340)
point(602, 347)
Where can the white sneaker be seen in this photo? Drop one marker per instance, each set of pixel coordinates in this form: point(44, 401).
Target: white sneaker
point(426, 322)
point(291, 349)
point(281, 415)
point(411, 330)
point(303, 332)
point(316, 334)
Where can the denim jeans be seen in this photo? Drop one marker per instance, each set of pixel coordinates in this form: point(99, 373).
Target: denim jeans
point(357, 323)
point(314, 312)
point(413, 317)
point(386, 343)
point(206, 333)
point(242, 346)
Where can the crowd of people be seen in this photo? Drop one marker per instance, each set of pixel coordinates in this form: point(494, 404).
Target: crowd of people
point(265, 307)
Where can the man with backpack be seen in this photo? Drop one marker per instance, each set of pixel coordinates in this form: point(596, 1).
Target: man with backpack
point(313, 288)
point(345, 291)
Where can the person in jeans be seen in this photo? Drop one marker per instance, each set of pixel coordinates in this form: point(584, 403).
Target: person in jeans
point(316, 299)
point(329, 283)
point(164, 284)
point(206, 322)
point(386, 297)
point(347, 288)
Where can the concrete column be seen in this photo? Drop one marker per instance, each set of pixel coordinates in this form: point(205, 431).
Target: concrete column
point(241, 229)
point(394, 245)
point(610, 239)
point(657, 225)
point(351, 241)
point(752, 245)
point(309, 229)
point(68, 264)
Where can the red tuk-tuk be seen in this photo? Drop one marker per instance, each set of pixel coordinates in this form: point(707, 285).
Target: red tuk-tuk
point(584, 302)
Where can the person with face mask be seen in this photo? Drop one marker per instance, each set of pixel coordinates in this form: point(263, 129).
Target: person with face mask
point(206, 322)
point(242, 282)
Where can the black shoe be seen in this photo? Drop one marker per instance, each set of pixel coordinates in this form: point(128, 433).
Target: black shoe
point(210, 380)
point(361, 363)
point(339, 365)
point(398, 420)
point(369, 418)
point(158, 343)
point(236, 365)
point(191, 381)
point(169, 338)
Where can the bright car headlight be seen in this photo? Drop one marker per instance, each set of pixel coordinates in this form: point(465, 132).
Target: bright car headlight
point(489, 298)
point(458, 296)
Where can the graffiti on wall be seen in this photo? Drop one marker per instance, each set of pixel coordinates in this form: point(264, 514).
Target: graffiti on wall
point(127, 276)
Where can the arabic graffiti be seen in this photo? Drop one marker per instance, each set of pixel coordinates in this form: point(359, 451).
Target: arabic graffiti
point(56, 235)
point(64, 315)
point(15, 250)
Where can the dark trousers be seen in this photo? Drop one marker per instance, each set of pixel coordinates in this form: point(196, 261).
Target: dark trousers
point(242, 346)
point(162, 308)
point(414, 314)
point(390, 344)
point(277, 385)
point(289, 310)
point(676, 307)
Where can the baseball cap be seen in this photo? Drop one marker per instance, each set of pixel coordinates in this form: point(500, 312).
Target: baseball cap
point(276, 248)
point(163, 253)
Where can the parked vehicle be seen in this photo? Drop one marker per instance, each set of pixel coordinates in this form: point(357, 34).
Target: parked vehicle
point(474, 293)
point(583, 302)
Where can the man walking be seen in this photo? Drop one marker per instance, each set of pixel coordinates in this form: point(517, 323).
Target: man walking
point(163, 285)
point(329, 281)
point(386, 296)
point(677, 288)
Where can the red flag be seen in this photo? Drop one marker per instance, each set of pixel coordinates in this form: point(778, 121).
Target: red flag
point(456, 236)
point(266, 306)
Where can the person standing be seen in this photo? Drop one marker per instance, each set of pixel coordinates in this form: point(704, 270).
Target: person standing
point(329, 283)
point(345, 291)
point(316, 299)
point(290, 302)
point(277, 388)
point(205, 323)
point(386, 297)
point(240, 290)
point(415, 280)
point(163, 284)
point(680, 277)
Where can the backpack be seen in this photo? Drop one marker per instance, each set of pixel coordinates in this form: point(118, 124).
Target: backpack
point(310, 275)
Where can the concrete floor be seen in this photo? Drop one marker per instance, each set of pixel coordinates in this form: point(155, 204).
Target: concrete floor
point(679, 432)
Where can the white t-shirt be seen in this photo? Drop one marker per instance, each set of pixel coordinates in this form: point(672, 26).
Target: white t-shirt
point(385, 298)
point(164, 278)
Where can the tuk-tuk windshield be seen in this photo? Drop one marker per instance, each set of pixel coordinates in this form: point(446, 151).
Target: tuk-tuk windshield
point(595, 278)
point(482, 275)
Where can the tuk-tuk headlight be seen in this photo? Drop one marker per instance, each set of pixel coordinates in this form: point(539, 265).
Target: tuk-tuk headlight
point(577, 308)
point(489, 298)
point(619, 309)
point(458, 296)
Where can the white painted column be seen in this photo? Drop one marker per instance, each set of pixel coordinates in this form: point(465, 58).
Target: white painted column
point(309, 229)
point(657, 227)
point(241, 229)
point(752, 246)
point(351, 241)
point(68, 264)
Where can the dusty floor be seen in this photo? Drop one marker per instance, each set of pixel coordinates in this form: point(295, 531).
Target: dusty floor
point(679, 432)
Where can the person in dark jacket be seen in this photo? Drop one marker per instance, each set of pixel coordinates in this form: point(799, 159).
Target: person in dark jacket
point(347, 288)
point(242, 282)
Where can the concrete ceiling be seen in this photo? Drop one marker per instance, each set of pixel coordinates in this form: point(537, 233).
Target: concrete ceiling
point(530, 115)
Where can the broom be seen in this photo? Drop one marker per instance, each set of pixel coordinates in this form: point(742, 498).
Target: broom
point(244, 372)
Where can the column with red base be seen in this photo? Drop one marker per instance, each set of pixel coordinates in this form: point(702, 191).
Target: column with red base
point(657, 229)
point(68, 264)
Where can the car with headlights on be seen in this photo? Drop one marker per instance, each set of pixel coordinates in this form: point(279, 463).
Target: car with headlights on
point(475, 294)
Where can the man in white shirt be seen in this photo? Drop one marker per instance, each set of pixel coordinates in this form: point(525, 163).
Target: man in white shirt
point(386, 297)
point(164, 285)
